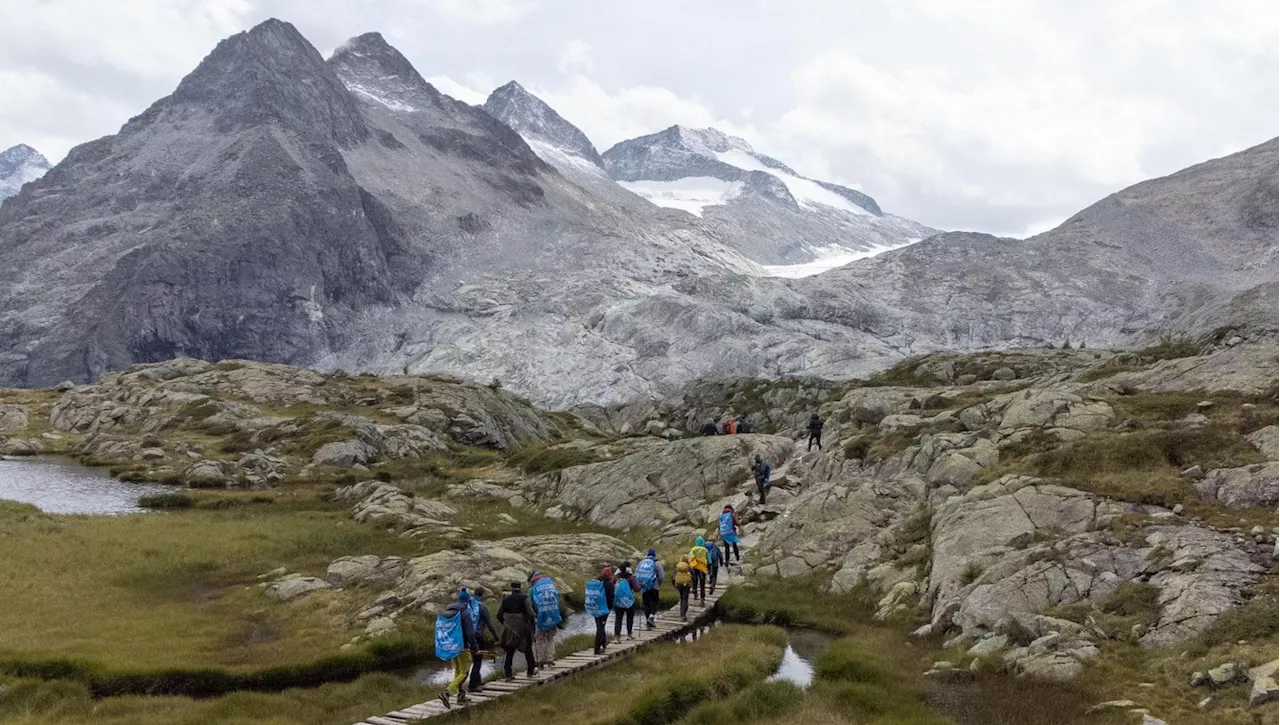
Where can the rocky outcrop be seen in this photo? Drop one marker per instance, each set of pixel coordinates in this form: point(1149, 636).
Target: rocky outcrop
point(383, 503)
point(659, 482)
point(424, 583)
point(13, 418)
point(293, 586)
point(1252, 486)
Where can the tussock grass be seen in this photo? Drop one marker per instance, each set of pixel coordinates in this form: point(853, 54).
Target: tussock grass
point(536, 459)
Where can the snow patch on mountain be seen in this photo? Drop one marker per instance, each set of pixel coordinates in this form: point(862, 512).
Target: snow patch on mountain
point(828, 258)
point(390, 103)
point(692, 194)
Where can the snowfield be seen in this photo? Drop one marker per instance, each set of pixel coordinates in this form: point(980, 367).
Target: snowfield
point(692, 194)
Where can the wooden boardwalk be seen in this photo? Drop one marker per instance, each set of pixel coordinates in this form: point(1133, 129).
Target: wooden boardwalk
point(668, 626)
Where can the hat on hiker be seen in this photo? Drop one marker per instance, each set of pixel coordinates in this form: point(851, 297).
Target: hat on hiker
point(607, 571)
point(653, 553)
point(464, 595)
point(515, 586)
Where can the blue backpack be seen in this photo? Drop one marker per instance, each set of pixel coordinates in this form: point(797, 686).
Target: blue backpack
point(449, 637)
point(726, 527)
point(547, 600)
point(622, 596)
point(647, 574)
point(713, 553)
point(473, 604)
point(597, 604)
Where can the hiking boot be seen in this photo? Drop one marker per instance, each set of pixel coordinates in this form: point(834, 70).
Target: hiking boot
point(444, 698)
point(462, 697)
point(511, 678)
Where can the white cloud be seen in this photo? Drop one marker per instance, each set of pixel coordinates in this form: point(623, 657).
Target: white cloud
point(483, 12)
point(576, 57)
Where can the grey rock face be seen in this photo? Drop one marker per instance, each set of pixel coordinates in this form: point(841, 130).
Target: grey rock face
point(19, 165)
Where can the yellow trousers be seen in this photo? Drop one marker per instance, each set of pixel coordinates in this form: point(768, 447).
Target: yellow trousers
point(461, 671)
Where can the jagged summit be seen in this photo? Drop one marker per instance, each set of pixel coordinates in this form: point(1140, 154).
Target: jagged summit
point(375, 71)
point(18, 165)
point(271, 73)
point(547, 131)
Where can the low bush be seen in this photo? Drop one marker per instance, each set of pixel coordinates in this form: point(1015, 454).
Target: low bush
point(166, 501)
point(536, 460)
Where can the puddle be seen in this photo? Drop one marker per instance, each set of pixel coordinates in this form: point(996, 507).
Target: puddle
point(803, 647)
point(437, 674)
point(61, 486)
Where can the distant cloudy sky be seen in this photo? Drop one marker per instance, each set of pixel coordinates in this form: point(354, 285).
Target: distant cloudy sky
point(1003, 116)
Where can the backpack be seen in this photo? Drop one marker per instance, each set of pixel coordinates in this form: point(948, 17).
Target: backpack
point(597, 604)
point(647, 574)
point(726, 527)
point(473, 605)
point(622, 596)
point(547, 598)
point(713, 554)
point(449, 638)
point(683, 575)
point(698, 559)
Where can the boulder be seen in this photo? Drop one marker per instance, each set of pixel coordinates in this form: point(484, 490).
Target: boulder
point(21, 447)
point(205, 473)
point(1051, 666)
point(12, 417)
point(1257, 485)
point(295, 586)
point(1266, 440)
point(365, 570)
point(344, 453)
point(1004, 374)
point(1226, 673)
point(1262, 683)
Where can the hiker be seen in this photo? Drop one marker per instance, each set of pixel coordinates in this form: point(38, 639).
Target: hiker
point(516, 616)
point(649, 573)
point(545, 599)
point(761, 470)
point(456, 642)
point(709, 428)
point(482, 622)
point(683, 580)
point(731, 425)
point(815, 431)
point(599, 602)
point(713, 561)
point(742, 424)
point(729, 534)
point(698, 562)
point(625, 585)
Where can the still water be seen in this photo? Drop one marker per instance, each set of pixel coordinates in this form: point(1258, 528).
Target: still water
point(62, 486)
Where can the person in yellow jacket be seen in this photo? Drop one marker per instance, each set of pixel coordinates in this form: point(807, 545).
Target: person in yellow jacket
point(683, 579)
point(698, 562)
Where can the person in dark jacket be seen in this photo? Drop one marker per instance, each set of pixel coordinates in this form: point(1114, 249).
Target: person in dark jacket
point(761, 470)
point(602, 639)
point(742, 424)
point(461, 663)
point(483, 624)
point(516, 615)
point(650, 597)
point(815, 431)
point(624, 574)
point(709, 428)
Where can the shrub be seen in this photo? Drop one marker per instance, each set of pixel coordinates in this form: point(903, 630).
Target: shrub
point(1171, 347)
point(971, 572)
point(1254, 621)
point(535, 460)
point(166, 501)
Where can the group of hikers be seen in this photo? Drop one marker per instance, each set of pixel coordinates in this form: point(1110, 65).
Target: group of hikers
point(530, 620)
point(734, 424)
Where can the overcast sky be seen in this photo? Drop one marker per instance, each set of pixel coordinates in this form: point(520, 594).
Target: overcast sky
point(1003, 116)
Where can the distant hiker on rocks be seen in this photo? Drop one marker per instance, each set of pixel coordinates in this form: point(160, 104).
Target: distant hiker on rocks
point(456, 643)
point(625, 586)
point(698, 562)
point(483, 622)
point(713, 562)
point(761, 470)
point(649, 573)
point(815, 431)
point(516, 615)
point(708, 428)
point(728, 526)
point(683, 579)
point(742, 425)
point(731, 425)
point(599, 602)
point(545, 599)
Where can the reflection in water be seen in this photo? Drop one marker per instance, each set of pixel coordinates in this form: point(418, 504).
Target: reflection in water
point(440, 674)
point(60, 486)
point(803, 647)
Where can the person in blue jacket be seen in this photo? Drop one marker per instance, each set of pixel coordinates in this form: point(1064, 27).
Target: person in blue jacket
point(602, 638)
point(461, 663)
point(713, 561)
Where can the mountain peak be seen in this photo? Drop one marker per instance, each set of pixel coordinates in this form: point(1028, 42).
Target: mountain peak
point(373, 70)
point(538, 122)
point(18, 165)
point(271, 73)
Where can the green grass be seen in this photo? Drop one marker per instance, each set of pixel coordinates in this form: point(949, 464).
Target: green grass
point(29, 702)
point(174, 589)
point(797, 602)
point(1171, 347)
point(535, 460)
